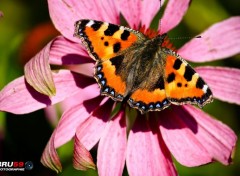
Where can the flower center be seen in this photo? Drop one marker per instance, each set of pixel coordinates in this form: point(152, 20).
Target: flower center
point(150, 33)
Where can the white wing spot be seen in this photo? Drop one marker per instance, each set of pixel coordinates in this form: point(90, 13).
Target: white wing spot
point(205, 87)
point(122, 28)
point(90, 23)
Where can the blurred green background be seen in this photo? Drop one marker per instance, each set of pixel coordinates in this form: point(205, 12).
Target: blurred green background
point(26, 28)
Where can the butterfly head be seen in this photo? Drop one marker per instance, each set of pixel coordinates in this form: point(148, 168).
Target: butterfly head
point(160, 38)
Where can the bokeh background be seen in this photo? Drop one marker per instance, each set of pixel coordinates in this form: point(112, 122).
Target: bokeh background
point(26, 28)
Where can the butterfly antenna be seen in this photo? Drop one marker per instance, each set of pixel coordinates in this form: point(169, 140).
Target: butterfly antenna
point(184, 37)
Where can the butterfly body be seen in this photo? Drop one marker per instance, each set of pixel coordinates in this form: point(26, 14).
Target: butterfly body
point(132, 67)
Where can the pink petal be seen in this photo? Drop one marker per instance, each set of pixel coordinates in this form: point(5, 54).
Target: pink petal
point(109, 11)
point(146, 151)
point(90, 92)
point(65, 13)
point(143, 11)
point(131, 11)
point(217, 138)
point(181, 140)
point(19, 98)
point(224, 82)
point(50, 157)
point(52, 115)
point(1, 14)
point(65, 52)
point(85, 69)
point(72, 118)
point(82, 158)
point(112, 147)
point(220, 41)
point(38, 72)
point(173, 14)
point(148, 11)
point(92, 128)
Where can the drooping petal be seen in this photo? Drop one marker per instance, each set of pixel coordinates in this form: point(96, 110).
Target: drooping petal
point(38, 72)
point(112, 147)
point(50, 157)
point(90, 131)
point(65, 52)
point(19, 98)
point(59, 51)
point(181, 140)
point(224, 82)
point(65, 130)
point(173, 14)
point(72, 118)
point(64, 14)
point(220, 41)
point(218, 139)
point(146, 152)
point(82, 158)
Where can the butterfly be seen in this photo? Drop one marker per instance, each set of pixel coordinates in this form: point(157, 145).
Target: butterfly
point(140, 70)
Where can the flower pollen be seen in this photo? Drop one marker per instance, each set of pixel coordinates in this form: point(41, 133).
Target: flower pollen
point(150, 33)
point(168, 44)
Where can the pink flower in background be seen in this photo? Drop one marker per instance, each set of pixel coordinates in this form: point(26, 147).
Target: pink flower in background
point(1, 14)
point(186, 132)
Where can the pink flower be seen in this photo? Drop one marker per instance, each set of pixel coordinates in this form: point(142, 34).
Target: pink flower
point(186, 132)
point(1, 14)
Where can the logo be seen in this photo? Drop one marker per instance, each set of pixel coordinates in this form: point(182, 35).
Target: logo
point(15, 165)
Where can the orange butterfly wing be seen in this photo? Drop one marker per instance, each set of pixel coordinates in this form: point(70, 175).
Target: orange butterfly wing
point(182, 84)
point(105, 41)
point(176, 83)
